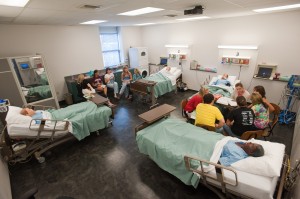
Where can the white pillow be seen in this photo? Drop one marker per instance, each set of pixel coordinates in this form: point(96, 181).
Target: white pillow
point(268, 165)
point(173, 70)
point(15, 117)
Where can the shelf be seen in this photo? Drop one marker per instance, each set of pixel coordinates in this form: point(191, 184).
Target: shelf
point(244, 61)
point(177, 56)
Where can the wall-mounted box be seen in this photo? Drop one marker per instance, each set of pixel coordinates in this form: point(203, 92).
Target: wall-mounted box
point(244, 61)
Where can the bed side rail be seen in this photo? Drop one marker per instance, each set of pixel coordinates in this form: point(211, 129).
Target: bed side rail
point(38, 107)
point(219, 177)
point(283, 175)
point(54, 127)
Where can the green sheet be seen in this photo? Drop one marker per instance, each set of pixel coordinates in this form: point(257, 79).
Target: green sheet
point(86, 117)
point(163, 85)
point(43, 91)
point(224, 91)
point(169, 140)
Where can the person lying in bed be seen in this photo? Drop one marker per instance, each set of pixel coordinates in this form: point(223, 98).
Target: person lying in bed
point(234, 151)
point(223, 81)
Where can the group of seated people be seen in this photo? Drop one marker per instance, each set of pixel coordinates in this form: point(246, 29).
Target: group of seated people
point(246, 117)
point(96, 85)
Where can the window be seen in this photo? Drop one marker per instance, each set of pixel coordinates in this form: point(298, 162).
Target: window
point(109, 37)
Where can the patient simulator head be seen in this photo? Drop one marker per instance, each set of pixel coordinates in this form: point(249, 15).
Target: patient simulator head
point(253, 149)
point(168, 68)
point(225, 76)
point(208, 98)
point(27, 112)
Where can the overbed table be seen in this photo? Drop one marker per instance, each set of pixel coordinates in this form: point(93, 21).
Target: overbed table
point(157, 113)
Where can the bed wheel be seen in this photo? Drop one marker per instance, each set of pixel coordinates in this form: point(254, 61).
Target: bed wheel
point(41, 159)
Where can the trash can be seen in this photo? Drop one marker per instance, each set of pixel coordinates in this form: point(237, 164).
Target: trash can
point(68, 98)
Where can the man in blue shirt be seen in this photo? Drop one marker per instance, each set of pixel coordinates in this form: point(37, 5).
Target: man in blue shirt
point(234, 151)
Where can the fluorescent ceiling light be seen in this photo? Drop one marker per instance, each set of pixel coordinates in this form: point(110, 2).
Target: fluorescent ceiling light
point(238, 47)
point(193, 18)
point(144, 24)
point(278, 8)
point(176, 46)
point(141, 11)
point(15, 3)
point(93, 22)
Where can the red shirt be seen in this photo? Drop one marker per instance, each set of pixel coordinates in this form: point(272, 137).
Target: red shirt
point(193, 102)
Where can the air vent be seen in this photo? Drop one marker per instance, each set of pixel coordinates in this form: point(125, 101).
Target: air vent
point(91, 6)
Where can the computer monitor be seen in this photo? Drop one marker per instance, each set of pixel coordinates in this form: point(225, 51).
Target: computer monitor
point(264, 72)
point(163, 61)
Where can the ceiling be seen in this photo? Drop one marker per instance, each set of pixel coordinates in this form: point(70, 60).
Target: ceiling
point(69, 12)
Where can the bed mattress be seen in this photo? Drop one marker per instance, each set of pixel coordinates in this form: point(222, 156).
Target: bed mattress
point(21, 130)
point(251, 185)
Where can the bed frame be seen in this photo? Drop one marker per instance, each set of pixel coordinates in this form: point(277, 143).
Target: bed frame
point(141, 87)
point(19, 149)
point(221, 189)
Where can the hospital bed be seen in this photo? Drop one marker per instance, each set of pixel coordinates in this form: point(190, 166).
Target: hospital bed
point(191, 154)
point(222, 90)
point(23, 136)
point(158, 84)
point(42, 91)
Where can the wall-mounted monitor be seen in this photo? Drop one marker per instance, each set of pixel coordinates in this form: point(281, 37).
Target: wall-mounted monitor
point(265, 71)
point(163, 61)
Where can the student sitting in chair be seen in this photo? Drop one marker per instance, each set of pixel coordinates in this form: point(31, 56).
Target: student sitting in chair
point(240, 91)
point(261, 111)
point(98, 84)
point(207, 114)
point(240, 120)
point(136, 75)
point(223, 81)
point(195, 100)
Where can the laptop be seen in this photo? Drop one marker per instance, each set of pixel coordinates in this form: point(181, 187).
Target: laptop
point(264, 72)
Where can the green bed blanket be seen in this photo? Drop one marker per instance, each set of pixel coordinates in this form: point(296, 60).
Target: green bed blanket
point(85, 117)
point(43, 91)
point(163, 85)
point(169, 140)
point(225, 91)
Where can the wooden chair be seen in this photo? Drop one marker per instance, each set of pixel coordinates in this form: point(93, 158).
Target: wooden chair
point(273, 121)
point(183, 104)
point(252, 134)
point(209, 128)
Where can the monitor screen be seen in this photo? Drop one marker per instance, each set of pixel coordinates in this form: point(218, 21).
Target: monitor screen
point(163, 61)
point(264, 72)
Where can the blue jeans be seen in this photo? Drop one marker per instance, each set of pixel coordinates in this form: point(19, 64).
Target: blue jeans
point(228, 130)
point(114, 86)
point(124, 88)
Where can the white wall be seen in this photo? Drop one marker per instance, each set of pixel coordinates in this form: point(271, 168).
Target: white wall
point(277, 36)
point(67, 50)
point(131, 37)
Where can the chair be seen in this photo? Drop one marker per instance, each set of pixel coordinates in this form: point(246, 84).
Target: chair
point(183, 104)
point(209, 128)
point(273, 121)
point(253, 134)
